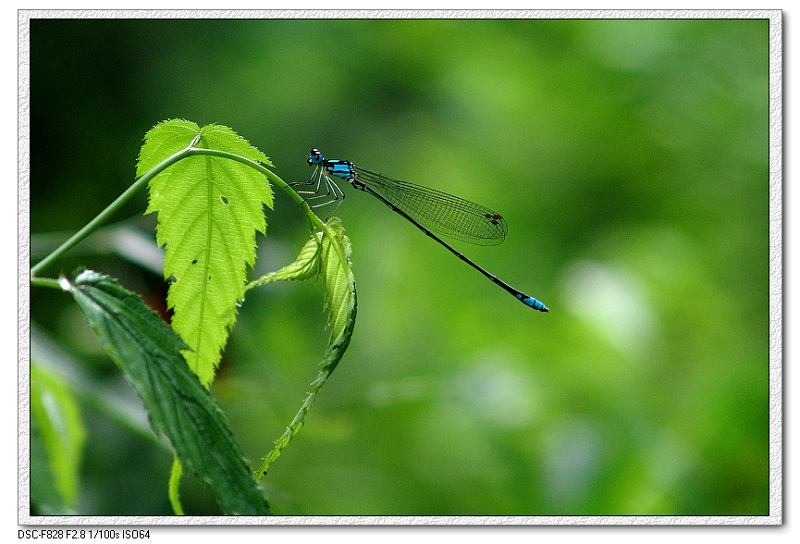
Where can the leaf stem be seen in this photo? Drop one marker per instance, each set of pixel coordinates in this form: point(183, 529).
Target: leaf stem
point(269, 174)
point(46, 282)
point(106, 214)
point(314, 221)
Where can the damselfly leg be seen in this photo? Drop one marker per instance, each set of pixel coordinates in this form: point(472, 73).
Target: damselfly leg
point(326, 191)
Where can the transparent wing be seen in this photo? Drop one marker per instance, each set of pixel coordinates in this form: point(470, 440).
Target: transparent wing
point(439, 212)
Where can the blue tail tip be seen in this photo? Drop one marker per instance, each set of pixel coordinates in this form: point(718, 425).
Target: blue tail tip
point(536, 304)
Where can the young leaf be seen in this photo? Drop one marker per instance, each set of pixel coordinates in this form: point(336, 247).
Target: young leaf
point(340, 291)
point(148, 352)
point(305, 266)
point(57, 438)
point(333, 262)
point(209, 209)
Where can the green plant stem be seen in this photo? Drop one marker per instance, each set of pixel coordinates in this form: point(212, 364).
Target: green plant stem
point(314, 221)
point(45, 282)
point(106, 214)
point(174, 484)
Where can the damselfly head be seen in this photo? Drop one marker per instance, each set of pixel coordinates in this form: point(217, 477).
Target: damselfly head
point(315, 157)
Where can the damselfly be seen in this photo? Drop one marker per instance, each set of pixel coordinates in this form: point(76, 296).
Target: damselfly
point(429, 210)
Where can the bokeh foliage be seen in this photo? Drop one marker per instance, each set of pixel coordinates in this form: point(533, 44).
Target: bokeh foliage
point(630, 160)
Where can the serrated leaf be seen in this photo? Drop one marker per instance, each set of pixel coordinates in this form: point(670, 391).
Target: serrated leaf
point(57, 438)
point(148, 352)
point(209, 209)
point(340, 286)
point(331, 250)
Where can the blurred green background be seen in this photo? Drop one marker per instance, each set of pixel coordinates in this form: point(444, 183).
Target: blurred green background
point(630, 160)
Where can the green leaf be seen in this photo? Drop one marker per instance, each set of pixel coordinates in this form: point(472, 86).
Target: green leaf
point(305, 266)
point(328, 253)
point(340, 290)
point(57, 439)
point(209, 209)
point(148, 352)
